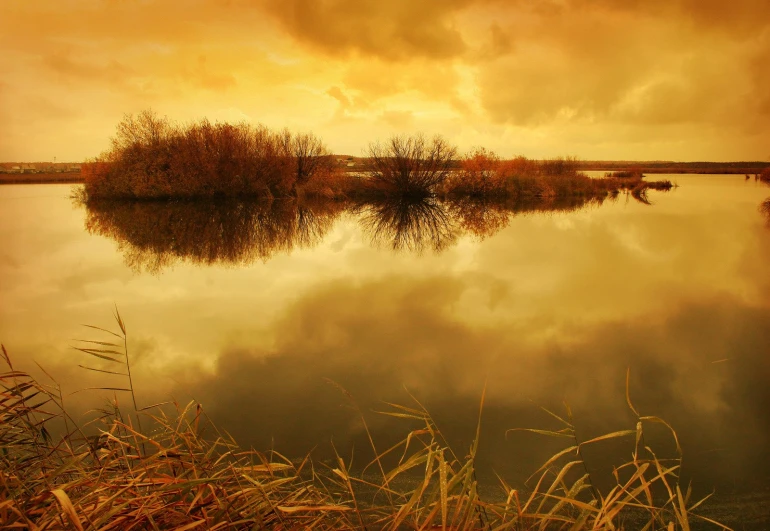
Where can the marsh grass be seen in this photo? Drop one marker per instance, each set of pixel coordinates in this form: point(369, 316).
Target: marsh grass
point(180, 472)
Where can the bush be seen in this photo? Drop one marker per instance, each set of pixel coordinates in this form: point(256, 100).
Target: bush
point(410, 165)
point(479, 175)
point(152, 158)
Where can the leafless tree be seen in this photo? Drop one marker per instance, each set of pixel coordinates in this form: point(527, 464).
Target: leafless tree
point(144, 129)
point(310, 153)
point(411, 165)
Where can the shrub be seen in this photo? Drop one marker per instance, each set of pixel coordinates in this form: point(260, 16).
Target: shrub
point(410, 165)
point(152, 158)
point(479, 175)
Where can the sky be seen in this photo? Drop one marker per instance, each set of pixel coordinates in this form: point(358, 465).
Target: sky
point(597, 79)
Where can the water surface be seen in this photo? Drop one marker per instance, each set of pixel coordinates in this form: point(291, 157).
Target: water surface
point(254, 310)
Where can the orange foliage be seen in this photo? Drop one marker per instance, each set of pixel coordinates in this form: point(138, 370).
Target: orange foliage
point(153, 158)
point(479, 175)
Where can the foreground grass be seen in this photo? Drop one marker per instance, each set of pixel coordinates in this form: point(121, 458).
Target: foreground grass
point(180, 473)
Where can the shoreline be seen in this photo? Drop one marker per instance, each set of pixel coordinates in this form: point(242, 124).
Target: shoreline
point(41, 178)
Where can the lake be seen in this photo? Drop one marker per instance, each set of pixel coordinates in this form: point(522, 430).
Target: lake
point(262, 313)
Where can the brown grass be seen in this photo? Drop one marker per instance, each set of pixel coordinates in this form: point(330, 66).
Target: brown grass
point(180, 473)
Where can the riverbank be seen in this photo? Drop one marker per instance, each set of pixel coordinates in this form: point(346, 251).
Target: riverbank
point(41, 178)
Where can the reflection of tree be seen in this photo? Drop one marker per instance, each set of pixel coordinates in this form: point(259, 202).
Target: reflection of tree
point(484, 218)
point(765, 209)
point(154, 235)
point(405, 223)
point(480, 218)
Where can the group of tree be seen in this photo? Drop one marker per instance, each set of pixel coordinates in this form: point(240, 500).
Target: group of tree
point(151, 158)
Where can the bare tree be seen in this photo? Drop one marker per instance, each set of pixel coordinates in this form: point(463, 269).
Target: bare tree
point(310, 154)
point(411, 165)
point(144, 129)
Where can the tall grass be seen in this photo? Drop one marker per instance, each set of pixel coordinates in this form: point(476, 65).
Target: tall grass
point(180, 472)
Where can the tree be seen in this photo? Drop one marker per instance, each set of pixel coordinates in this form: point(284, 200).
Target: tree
point(310, 154)
point(411, 165)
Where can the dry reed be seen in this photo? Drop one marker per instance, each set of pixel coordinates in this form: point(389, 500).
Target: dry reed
point(179, 472)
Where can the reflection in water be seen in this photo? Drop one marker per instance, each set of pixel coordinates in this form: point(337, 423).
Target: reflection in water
point(552, 308)
point(408, 224)
point(484, 218)
point(371, 343)
point(765, 209)
point(155, 235)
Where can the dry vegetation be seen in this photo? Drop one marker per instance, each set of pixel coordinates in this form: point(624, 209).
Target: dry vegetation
point(268, 192)
point(152, 158)
point(169, 468)
point(484, 175)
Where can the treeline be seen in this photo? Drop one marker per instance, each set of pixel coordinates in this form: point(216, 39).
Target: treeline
point(152, 158)
point(748, 167)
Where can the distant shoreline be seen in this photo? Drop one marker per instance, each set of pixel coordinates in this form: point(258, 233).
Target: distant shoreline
point(41, 178)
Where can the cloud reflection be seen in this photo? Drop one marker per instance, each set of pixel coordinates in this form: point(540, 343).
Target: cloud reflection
point(703, 366)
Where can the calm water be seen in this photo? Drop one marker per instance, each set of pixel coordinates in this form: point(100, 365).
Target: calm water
point(251, 312)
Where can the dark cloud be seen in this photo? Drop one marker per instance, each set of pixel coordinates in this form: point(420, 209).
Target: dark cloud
point(617, 63)
point(739, 16)
point(399, 29)
point(375, 338)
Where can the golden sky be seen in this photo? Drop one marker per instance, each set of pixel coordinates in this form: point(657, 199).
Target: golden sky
point(599, 79)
